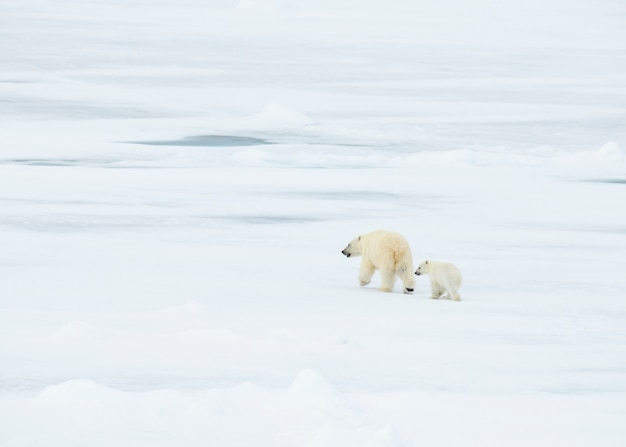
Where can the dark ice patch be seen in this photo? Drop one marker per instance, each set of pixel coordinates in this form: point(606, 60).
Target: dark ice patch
point(208, 141)
point(346, 195)
point(56, 162)
point(622, 181)
point(264, 219)
point(609, 180)
point(42, 162)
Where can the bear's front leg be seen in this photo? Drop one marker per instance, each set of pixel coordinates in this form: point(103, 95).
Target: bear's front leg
point(366, 272)
point(436, 291)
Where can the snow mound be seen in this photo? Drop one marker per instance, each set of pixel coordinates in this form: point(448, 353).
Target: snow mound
point(608, 160)
point(78, 391)
point(277, 116)
point(612, 151)
point(309, 383)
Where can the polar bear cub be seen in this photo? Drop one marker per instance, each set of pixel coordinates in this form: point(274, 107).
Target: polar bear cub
point(386, 251)
point(444, 277)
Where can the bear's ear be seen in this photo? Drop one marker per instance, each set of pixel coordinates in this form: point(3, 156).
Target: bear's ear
point(359, 237)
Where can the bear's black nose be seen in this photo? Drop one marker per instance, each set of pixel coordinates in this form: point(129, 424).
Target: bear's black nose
point(417, 273)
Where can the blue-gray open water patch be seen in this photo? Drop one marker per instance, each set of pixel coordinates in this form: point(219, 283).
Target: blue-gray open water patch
point(43, 162)
point(208, 141)
point(609, 180)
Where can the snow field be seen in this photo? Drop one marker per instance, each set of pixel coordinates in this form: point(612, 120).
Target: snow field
point(282, 341)
point(172, 294)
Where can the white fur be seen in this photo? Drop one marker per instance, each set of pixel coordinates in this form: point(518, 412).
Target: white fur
point(444, 277)
point(385, 251)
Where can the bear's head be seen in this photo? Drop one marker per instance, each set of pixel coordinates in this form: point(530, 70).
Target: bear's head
point(422, 269)
point(353, 248)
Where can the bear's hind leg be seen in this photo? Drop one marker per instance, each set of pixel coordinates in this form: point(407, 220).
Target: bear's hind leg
point(388, 278)
point(366, 272)
point(408, 279)
point(454, 294)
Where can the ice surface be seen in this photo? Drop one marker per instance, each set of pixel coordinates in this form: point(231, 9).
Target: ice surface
point(191, 291)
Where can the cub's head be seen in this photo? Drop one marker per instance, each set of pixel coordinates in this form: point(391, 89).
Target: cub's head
point(422, 269)
point(353, 248)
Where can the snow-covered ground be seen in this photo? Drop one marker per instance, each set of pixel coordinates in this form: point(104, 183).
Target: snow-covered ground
point(178, 178)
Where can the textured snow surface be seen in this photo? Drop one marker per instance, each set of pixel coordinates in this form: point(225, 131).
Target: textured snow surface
point(178, 179)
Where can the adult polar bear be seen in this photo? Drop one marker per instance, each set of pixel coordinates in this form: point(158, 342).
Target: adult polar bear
point(386, 251)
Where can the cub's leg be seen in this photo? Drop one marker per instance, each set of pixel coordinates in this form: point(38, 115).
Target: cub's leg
point(436, 290)
point(454, 294)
